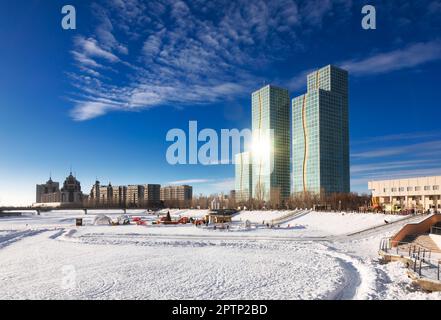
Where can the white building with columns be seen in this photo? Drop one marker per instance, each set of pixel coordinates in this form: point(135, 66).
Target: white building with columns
point(421, 193)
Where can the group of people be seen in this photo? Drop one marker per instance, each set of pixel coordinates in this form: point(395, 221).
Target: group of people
point(270, 226)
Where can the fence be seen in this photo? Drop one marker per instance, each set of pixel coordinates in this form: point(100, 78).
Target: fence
point(421, 260)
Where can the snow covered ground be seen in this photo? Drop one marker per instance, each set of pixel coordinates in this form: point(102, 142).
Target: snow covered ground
point(47, 257)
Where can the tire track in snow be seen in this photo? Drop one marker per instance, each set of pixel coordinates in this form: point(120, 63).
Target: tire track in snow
point(359, 277)
point(17, 236)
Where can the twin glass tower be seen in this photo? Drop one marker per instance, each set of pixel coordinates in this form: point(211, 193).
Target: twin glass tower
point(318, 161)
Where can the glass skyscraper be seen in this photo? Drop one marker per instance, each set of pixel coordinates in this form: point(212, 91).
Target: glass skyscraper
point(320, 129)
point(271, 144)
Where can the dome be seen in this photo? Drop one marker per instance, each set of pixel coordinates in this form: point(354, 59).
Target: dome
point(71, 183)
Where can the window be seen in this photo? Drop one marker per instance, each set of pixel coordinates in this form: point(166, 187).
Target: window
point(435, 187)
point(401, 189)
point(385, 190)
point(417, 188)
point(426, 188)
point(409, 188)
point(394, 189)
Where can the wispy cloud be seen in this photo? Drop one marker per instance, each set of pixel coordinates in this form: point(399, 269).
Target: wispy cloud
point(400, 156)
point(168, 52)
point(161, 52)
point(399, 137)
point(408, 57)
point(430, 148)
point(368, 168)
point(91, 49)
point(189, 181)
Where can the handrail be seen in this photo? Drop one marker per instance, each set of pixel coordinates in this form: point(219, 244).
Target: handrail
point(291, 214)
point(386, 245)
point(417, 254)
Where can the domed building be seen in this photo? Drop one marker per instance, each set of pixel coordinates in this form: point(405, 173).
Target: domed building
point(71, 191)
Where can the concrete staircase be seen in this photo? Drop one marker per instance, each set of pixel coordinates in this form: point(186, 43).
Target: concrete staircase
point(423, 240)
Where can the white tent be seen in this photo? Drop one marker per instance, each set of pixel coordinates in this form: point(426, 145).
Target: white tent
point(101, 220)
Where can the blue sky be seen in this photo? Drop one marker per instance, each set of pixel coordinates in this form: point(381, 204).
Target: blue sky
point(102, 98)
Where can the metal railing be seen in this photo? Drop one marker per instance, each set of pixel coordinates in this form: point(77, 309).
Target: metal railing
point(289, 216)
point(420, 257)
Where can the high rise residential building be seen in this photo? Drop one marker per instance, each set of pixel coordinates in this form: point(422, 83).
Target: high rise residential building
point(271, 144)
point(133, 193)
point(151, 193)
point(243, 177)
point(102, 195)
point(320, 129)
point(118, 195)
point(48, 192)
point(106, 194)
point(94, 196)
point(131, 196)
point(176, 193)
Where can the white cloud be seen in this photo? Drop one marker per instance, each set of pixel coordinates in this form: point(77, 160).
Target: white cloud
point(89, 109)
point(399, 157)
point(425, 148)
point(370, 168)
point(189, 181)
point(408, 57)
point(411, 56)
point(184, 58)
point(90, 48)
point(84, 60)
point(152, 46)
point(315, 10)
point(399, 137)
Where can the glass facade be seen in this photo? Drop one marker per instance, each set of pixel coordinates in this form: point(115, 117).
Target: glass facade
point(271, 160)
point(320, 124)
point(243, 176)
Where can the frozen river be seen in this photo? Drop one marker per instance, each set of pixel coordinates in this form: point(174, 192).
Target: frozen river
point(47, 257)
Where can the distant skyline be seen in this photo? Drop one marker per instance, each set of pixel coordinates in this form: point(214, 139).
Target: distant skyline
point(100, 99)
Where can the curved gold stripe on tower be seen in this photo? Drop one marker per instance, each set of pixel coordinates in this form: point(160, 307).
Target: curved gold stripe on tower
point(305, 139)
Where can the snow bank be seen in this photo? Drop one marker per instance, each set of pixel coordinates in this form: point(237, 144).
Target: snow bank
point(337, 223)
point(163, 270)
point(259, 216)
point(187, 262)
